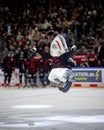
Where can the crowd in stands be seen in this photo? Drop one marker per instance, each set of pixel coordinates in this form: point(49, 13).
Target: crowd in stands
point(27, 23)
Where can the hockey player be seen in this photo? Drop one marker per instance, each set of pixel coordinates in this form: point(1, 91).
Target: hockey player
point(45, 66)
point(31, 67)
point(61, 72)
point(8, 65)
point(21, 66)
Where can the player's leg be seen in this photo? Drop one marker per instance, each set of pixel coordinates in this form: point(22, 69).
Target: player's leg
point(57, 75)
point(29, 80)
point(63, 77)
point(41, 74)
point(9, 78)
point(20, 78)
point(5, 78)
point(65, 87)
point(45, 79)
point(33, 78)
point(25, 79)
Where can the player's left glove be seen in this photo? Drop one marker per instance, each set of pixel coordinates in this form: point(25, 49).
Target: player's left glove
point(72, 61)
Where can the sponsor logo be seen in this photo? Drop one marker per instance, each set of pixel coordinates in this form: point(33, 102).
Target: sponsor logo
point(88, 76)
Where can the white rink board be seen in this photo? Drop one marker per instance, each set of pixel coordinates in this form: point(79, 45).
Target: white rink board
point(15, 77)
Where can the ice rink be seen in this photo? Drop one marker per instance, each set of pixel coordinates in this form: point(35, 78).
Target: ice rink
point(50, 109)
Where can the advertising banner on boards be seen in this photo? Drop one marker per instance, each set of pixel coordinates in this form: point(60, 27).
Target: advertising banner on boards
point(88, 75)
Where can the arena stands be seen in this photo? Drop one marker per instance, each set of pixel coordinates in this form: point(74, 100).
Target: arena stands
point(26, 23)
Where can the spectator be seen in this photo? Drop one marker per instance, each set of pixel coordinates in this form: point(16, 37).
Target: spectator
point(23, 22)
point(101, 54)
point(82, 50)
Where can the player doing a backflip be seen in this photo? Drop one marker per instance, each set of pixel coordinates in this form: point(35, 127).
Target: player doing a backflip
point(61, 73)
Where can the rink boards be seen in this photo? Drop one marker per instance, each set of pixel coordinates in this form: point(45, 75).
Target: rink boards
point(84, 77)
